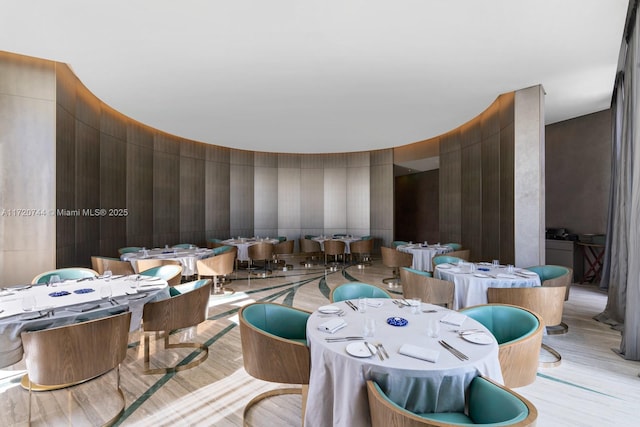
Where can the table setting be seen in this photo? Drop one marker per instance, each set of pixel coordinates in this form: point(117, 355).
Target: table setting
point(423, 254)
point(471, 280)
point(61, 302)
point(243, 243)
point(420, 354)
point(186, 256)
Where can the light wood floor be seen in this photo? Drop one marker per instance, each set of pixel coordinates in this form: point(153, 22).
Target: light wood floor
point(592, 387)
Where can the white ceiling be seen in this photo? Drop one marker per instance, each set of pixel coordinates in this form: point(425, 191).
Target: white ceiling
point(311, 76)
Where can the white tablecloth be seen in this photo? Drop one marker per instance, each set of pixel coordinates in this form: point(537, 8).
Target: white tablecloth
point(347, 241)
point(337, 386)
point(243, 245)
point(66, 309)
point(423, 255)
point(471, 288)
point(186, 257)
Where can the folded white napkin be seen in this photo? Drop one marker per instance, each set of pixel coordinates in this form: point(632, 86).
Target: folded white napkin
point(332, 325)
point(375, 304)
point(453, 318)
point(505, 276)
point(419, 352)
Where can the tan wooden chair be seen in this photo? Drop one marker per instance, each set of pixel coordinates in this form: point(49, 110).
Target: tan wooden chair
point(519, 335)
point(283, 248)
point(335, 249)
point(180, 311)
point(101, 264)
point(421, 285)
point(395, 259)
point(546, 301)
point(458, 255)
point(218, 267)
point(262, 251)
point(312, 250)
point(274, 349)
point(76, 353)
point(487, 403)
point(145, 264)
point(361, 251)
point(172, 273)
point(70, 273)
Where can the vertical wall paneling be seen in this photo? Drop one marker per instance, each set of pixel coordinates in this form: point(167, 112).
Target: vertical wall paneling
point(289, 196)
point(358, 194)
point(311, 196)
point(241, 192)
point(335, 195)
point(265, 194)
point(217, 193)
point(140, 185)
point(27, 161)
point(381, 203)
point(192, 191)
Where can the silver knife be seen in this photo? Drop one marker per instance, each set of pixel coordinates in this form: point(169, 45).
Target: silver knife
point(381, 347)
point(366, 344)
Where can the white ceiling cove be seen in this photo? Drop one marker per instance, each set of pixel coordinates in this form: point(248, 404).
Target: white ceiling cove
point(317, 76)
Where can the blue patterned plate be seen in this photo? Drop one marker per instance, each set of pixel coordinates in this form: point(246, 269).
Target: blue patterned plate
point(59, 294)
point(83, 291)
point(397, 321)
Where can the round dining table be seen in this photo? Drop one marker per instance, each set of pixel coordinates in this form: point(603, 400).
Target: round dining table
point(471, 281)
point(423, 254)
point(187, 257)
point(243, 245)
point(69, 302)
point(340, 368)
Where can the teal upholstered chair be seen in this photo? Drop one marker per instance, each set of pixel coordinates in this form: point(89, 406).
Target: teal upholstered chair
point(554, 275)
point(282, 238)
point(274, 347)
point(184, 246)
point(222, 249)
point(454, 246)
point(171, 273)
point(519, 335)
point(488, 403)
point(443, 259)
point(129, 249)
point(421, 284)
point(397, 243)
point(72, 273)
point(367, 237)
point(187, 287)
point(355, 290)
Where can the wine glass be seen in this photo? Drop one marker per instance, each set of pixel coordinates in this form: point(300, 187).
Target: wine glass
point(29, 302)
point(107, 275)
point(54, 280)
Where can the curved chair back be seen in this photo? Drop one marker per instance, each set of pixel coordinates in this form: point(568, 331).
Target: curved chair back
point(261, 250)
point(488, 403)
point(146, 264)
point(129, 249)
point(72, 273)
point(334, 248)
point(183, 288)
point(454, 246)
point(442, 259)
point(114, 265)
point(420, 284)
point(394, 258)
point(219, 265)
point(214, 243)
point(463, 254)
point(397, 243)
point(547, 301)
point(554, 275)
point(362, 249)
point(75, 353)
point(519, 335)
point(171, 273)
point(285, 247)
point(355, 290)
point(273, 340)
point(310, 246)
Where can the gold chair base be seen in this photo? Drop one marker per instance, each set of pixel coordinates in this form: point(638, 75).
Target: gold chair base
point(167, 346)
point(266, 394)
point(554, 353)
point(562, 328)
point(24, 383)
point(222, 292)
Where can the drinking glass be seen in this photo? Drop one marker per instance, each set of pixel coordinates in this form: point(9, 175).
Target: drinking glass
point(433, 327)
point(369, 326)
point(54, 280)
point(362, 305)
point(416, 305)
point(495, 263)
point(105, 292)
point(29, 302)
point(510, 268)
point(107, 275)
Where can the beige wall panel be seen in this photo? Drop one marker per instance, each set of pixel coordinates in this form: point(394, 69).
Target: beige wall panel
point(507, 238)
point(381, 199)
point(265, 160)
point(290, 161)
point(241, 201)
point(335, 200)
point(358, 200)
point(289, 202)
point(311, 161)
point(265, 195)
point(27, 77)
point(27, 153)
point(312, 202)
point(529, 185)
point(335, 160)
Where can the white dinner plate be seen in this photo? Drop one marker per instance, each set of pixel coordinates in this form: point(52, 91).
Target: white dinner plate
point(484, 276)
point(329, 309)
point(479, 338)
point(359, 349)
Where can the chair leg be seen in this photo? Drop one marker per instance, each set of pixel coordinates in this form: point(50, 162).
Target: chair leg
point(266, 394)
point(167, 346)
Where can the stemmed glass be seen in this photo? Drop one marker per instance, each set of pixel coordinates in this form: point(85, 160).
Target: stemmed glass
point(107, 275)
point(54, 280)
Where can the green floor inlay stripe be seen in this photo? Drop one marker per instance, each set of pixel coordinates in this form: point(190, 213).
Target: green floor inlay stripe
point(558, 380)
